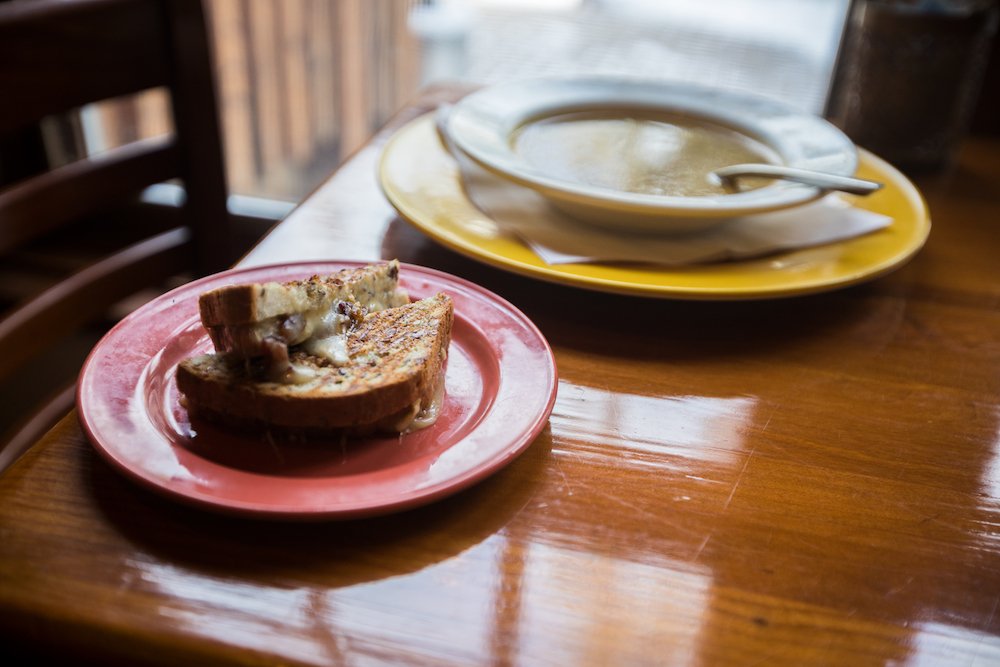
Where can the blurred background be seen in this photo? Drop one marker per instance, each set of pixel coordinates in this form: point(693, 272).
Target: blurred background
point(302, 83)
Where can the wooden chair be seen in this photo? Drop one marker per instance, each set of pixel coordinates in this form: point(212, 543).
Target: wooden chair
point(57, 56)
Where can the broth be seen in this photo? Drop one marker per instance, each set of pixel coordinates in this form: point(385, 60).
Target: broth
point(657, 154)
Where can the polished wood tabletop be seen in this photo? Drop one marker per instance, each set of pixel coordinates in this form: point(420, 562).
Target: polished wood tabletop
point(811, 481)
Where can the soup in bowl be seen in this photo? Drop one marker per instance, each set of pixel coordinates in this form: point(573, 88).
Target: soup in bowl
point(640, 152)
point(637, 155)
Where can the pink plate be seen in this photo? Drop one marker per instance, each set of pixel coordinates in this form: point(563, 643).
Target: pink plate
point(500, 388)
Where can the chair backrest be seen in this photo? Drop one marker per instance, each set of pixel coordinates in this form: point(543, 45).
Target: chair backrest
point(59, 55)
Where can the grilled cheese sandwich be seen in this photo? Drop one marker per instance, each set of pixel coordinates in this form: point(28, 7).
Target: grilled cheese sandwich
point(346, 353)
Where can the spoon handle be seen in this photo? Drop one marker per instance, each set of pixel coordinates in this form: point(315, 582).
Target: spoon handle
point(819, 179)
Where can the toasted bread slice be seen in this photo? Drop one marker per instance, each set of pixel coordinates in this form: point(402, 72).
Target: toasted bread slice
point(395, 369)
point(241, 319)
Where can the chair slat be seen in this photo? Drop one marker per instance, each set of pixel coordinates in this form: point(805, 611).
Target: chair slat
point(38, 323)
point(132, 58)
point(80, 189)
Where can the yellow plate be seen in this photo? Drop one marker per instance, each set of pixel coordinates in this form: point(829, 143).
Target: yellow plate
point(422, 182)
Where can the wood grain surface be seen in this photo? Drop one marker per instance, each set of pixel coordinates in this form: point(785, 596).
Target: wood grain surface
point(807, 481)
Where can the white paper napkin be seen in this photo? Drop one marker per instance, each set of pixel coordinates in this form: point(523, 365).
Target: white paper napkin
point(560, 239)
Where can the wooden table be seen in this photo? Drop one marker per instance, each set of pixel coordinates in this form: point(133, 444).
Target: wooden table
point(804, 481)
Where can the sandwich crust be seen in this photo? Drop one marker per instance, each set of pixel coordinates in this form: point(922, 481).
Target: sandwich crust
point(395, 368)
point(233, 305)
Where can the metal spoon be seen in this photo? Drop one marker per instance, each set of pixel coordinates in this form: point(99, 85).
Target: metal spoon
point(858, 186)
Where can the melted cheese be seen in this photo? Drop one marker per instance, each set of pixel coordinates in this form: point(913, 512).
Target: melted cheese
point(271, 327)
point(429, 415)
point(329, 338)
point(421, 417)
point(332, 348)
point(299, 374)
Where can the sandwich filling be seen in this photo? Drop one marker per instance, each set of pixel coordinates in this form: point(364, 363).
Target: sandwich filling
point(320, 334)
point(263, 320)
point(322, 329)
